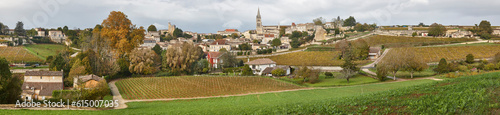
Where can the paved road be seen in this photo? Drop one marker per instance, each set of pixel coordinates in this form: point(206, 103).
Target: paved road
point(24, 70)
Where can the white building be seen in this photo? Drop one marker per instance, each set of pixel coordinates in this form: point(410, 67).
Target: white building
point(57, 36)
point(259, 65)
point(155, 35)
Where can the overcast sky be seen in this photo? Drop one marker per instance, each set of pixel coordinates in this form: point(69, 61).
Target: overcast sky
point(209, 16)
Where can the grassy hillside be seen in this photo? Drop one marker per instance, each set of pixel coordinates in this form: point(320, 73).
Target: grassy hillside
point(239, 104)
point(45, 50)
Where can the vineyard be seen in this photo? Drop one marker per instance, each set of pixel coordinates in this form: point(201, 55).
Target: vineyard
point(434, 54)
point(399, 41)
point(45, 50)
point(185, 87)
point(18, 55)
point(310, 58)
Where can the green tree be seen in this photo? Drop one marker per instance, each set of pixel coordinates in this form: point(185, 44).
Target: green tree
point(10, 87)
point(31, 32)
point(469, 58)
point(235, 35)
point(228, 60)
point(19, 30)
point(485, 30)
point(247, 71)
point(442, 66)
point(198, 38)
point(177, 33)
point(157, 49)
point(276, 42)
point(278, 72)
point(381, 73)
point(349, 69)
point(245, 46)
point(319, 21)
point(411, 63)
point(65, 29)
point(437, 30)
point(152, 28)
point(414, 34)
point(350, 21)
point(360, 49)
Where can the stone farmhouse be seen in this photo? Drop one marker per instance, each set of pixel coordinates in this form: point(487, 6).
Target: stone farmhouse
point(57, 36)
point(38, 85)
point(259, 65)
point(219, 44)
point(87, 81)
point(374, 52)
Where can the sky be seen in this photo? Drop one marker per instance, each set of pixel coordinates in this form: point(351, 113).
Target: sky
point(210, 16)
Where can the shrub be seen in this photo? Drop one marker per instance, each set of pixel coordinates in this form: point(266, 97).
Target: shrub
point(490, 67)
point(329, 74)
point(463, 68)
point(278, 72)
point(469, 58)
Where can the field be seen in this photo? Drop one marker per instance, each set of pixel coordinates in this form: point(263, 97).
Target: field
point(405, 28)
point(309, 58)
point(18, 55)
point(249, 104)
point(404, 74)
point(45, 50)
point(478, 94)
point(399, 41)
point(184, 87)
point(328, 82)
point(434, 54)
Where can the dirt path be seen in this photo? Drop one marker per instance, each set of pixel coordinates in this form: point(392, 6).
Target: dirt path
point(117, 95)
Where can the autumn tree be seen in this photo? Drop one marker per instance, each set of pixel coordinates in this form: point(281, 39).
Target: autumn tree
point(152, 28)
point(143, 61)
point(342, 45)
point(392, 62)
point(410, 61)
point(303, 72)
point(437, 30)
point(76, 70)
point(179, 59)
point(122, 35)
point(496, 58)
point(360, 49)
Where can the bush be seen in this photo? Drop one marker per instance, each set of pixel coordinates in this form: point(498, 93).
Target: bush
point(463, 68)
point(329, 74)
point(469, 58)
point(490, 67)
point(278, 72)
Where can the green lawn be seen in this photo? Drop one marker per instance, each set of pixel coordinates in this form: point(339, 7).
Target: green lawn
point(356, 80)
point(240, 104)
point(404, 74)
point(45, 50)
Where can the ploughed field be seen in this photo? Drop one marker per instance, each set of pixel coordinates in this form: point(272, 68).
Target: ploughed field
point(186, 87)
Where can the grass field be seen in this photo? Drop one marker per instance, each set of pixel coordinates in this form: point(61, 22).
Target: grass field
point(399, 41)
point(45, 50)
point(183, 87)
point(434, 54)
point(18, 55)
point(405, 28)
point(249, 104)
point(356, 80)
point(404, 74)
point(309, 58)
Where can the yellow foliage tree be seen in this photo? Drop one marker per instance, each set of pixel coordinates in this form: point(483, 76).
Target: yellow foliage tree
point(122, 35)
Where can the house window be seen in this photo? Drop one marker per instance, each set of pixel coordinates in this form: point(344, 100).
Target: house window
point(40, 77)
point(253, 66)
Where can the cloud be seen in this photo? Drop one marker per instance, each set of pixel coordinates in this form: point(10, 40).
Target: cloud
point(210, 16)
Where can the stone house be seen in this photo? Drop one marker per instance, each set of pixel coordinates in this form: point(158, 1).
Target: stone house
point(87, 81)
point(38, 85)
point(57, 36)
point(155, 35)
point(219, 44)
point(374, 52)
point(259, 65)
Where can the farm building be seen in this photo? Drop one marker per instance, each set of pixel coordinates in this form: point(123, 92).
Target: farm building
point(259, 65)
point(268, 70)
point(374, 52)
point(87, 81)
point(39, 85)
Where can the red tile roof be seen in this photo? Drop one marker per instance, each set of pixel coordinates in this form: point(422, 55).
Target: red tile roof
point(219, 42)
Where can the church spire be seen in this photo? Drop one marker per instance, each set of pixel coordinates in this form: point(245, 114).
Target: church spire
point(258, 12)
